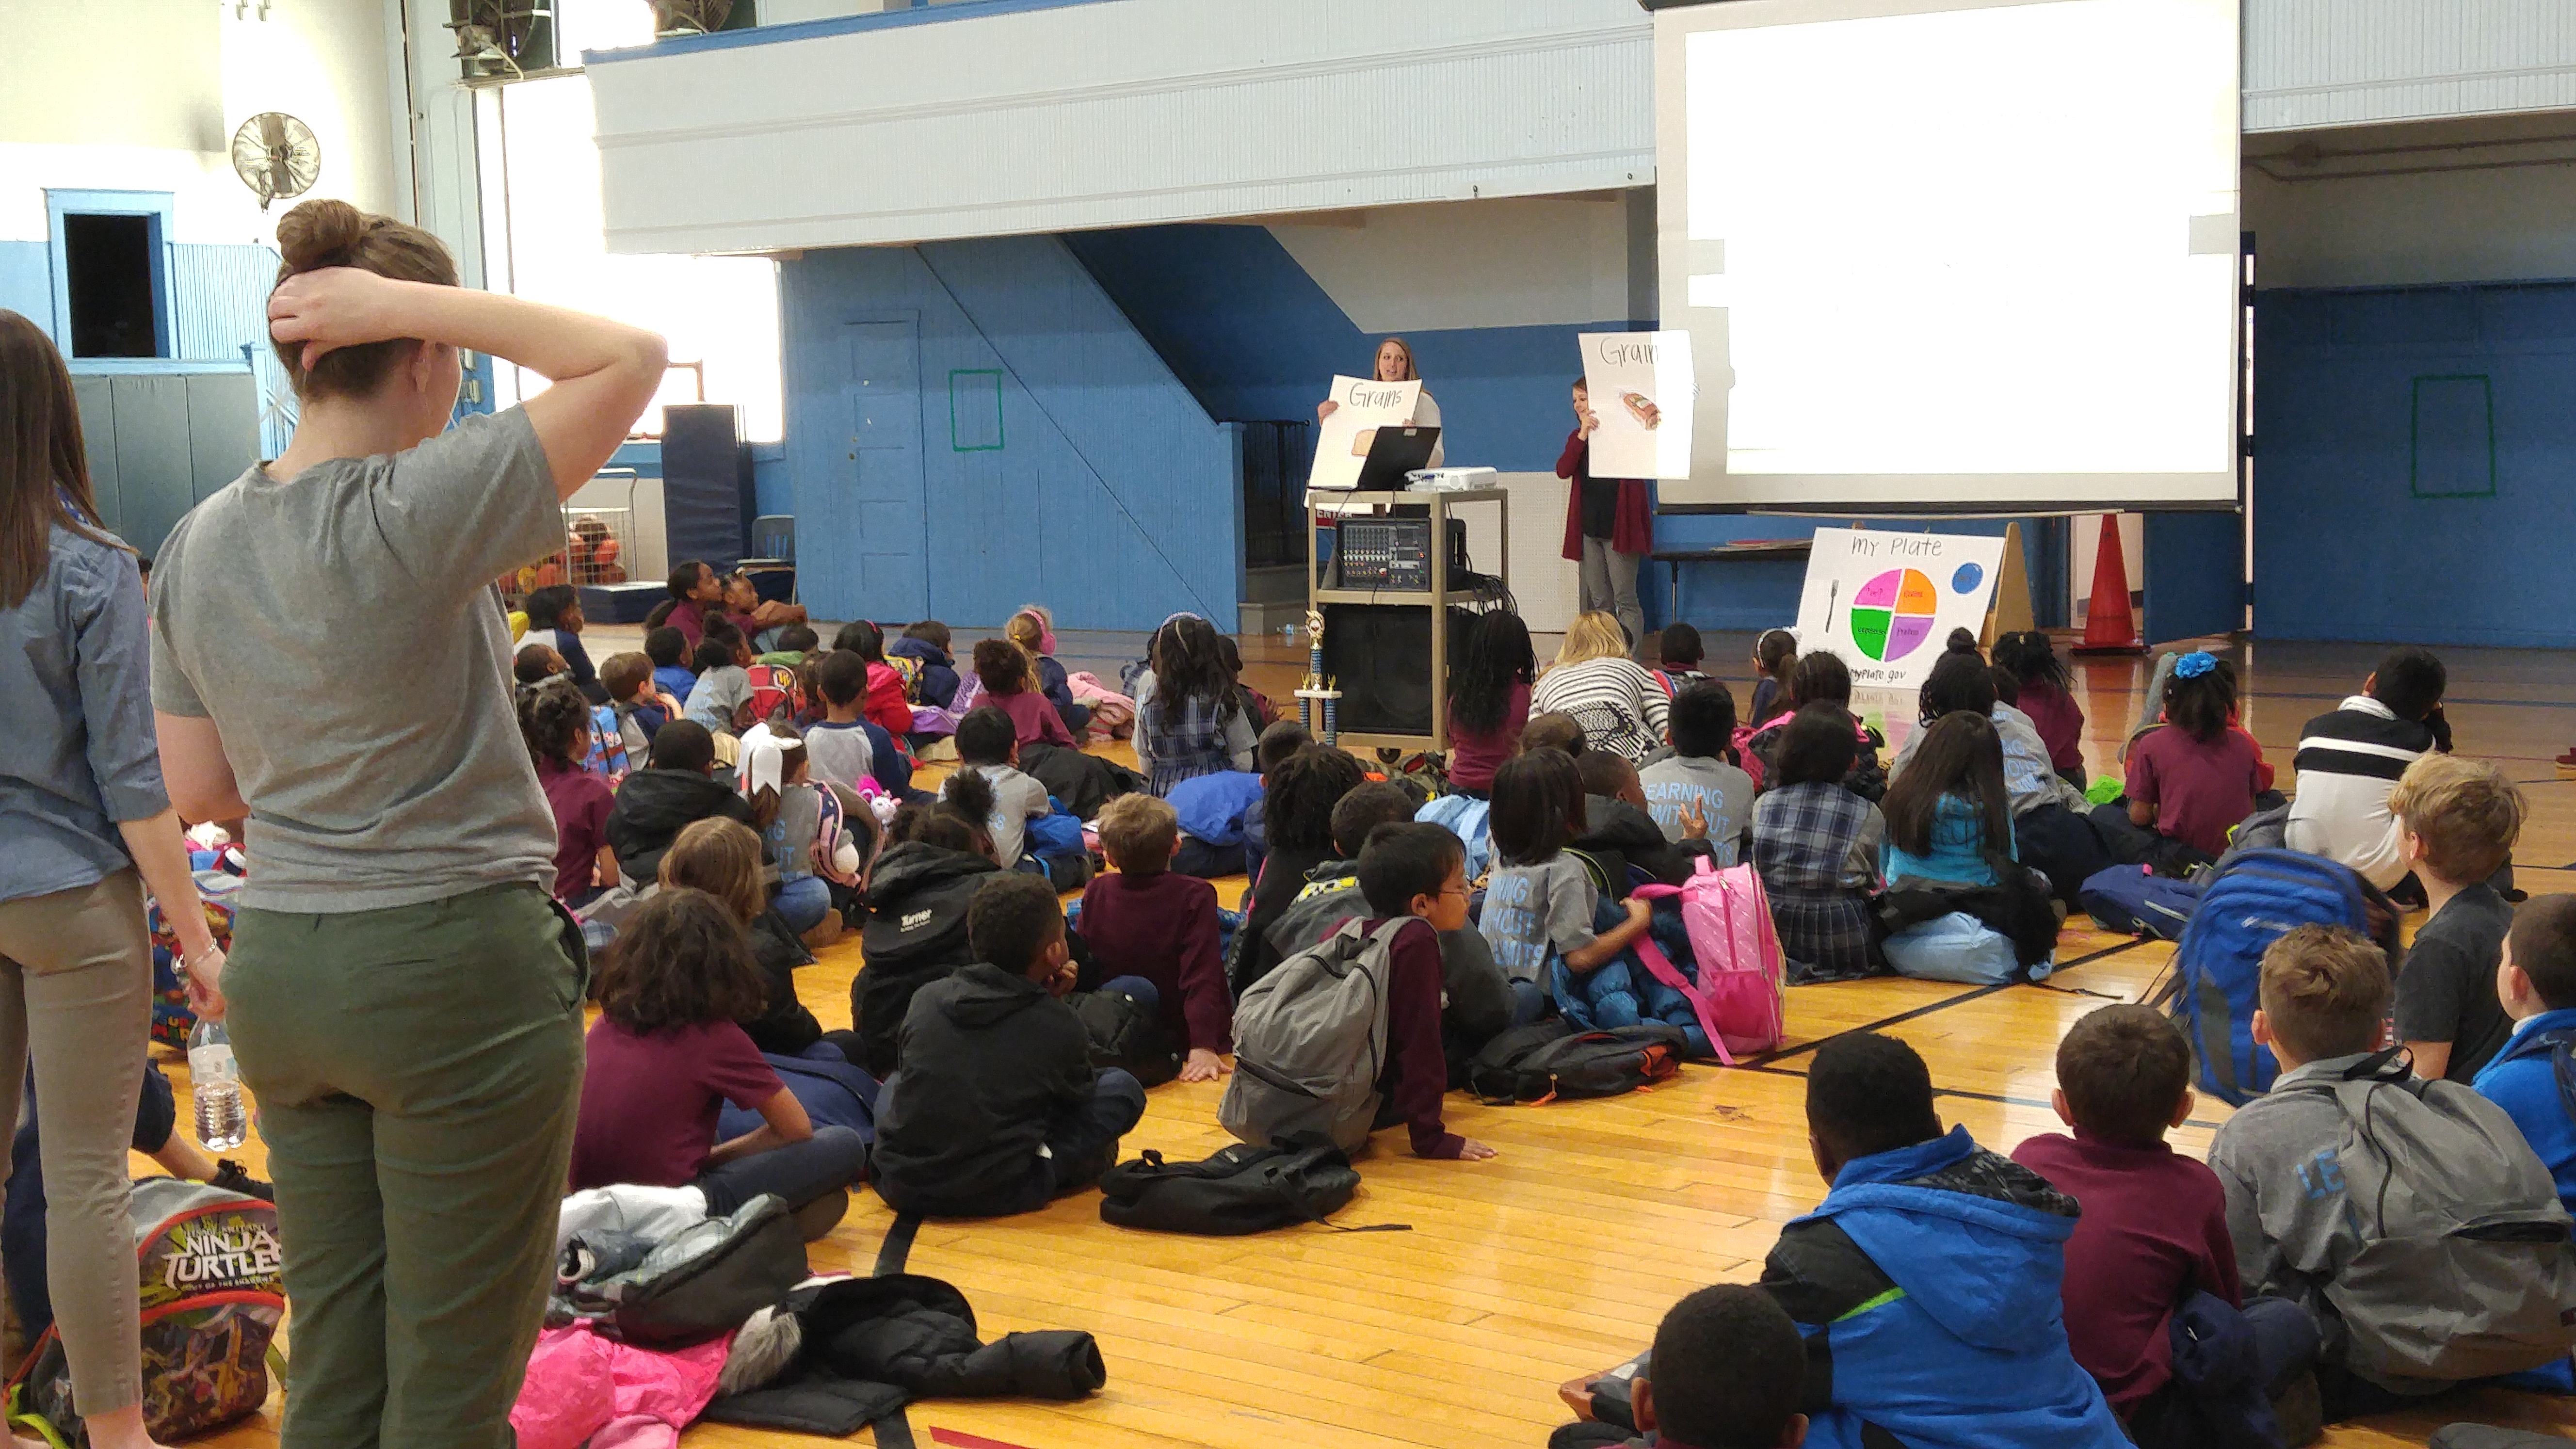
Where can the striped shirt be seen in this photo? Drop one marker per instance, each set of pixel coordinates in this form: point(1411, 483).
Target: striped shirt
point(2348, 763)
point(1619, 705)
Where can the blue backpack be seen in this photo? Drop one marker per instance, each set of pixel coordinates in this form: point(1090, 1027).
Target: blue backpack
point(2134, 901)
point(2217, 965)
point(1464, 817)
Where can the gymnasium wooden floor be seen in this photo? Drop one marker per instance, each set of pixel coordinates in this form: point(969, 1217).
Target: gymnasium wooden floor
point(1559, 1256)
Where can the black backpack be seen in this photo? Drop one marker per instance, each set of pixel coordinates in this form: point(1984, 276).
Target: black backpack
point(1549, 1061)
point(700, 1283)
point(1126, 1035)
point(1243, 1189)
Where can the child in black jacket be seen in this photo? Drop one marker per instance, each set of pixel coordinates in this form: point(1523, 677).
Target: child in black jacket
point(995, 1108)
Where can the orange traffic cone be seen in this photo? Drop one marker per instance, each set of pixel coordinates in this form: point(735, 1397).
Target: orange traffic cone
point(2110, 625)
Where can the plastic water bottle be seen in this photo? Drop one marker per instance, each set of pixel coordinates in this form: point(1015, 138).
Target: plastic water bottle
point(214, 1080)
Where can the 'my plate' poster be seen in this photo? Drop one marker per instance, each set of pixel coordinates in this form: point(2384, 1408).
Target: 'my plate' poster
point(1360, 408)
point(1642, 391)
point(1885, 602)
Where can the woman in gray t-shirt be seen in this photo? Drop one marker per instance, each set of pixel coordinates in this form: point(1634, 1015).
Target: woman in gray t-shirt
point(84, 814)
point(329, 660)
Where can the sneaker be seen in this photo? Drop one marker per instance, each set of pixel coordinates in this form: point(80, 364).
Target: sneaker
point(231, 1176)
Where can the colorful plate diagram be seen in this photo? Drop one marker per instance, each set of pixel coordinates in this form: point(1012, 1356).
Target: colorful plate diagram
point(1892, 614)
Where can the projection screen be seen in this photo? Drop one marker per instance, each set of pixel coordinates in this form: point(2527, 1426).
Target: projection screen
point(1947, 256)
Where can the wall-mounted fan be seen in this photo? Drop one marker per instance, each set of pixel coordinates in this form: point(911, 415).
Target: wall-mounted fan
point(690, 17)
point(276, 156)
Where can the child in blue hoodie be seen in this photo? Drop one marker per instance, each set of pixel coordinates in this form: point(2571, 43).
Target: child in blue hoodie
point(2537, 983)
point(1928, 1282)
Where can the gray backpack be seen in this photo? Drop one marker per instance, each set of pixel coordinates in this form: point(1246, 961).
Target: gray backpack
point(2466, 1268)
point(1310, 1042)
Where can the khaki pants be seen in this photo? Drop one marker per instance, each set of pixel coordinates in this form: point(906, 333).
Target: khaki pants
point(418, 1071)
point(76, 994)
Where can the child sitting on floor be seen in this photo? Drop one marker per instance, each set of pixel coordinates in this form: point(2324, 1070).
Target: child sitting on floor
point(1489, 701)
point(667, 1053)
point(1418, 871)
point(996, 1109)
point(846, 746)
point(2044, 691)
point(1539, 900)
point(926, 645)
point(1819, 679)
point(1189, 720)
point(1555, 731)
point(1682, 654)
point(1148, 919)
point(1816, 846)
point(795, 643)
point(722, 858)
point(1033, 629)
point(555, 721)
point(1699, 782)
point(1298, 796)
point(554, 620)
point(2457, 821)
point(2325, 997)
point(2537, 982)
point(1728, 1371)
point(676, 791)
point(1775, 654)
point(641, 708)
point(1480, 1000)
point(668, 648)
point(1931, 1277)
point(1618, 832)
point(2349, 761)
point(2194, 779)
point(775, 777)
point(888, 704)
point(986, 747)
point(2154, 1228)
point(721, 700)
point(1947, 813)
point(1010, 685)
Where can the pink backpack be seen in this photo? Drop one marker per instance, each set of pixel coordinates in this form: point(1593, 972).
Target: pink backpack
point(1741, 992)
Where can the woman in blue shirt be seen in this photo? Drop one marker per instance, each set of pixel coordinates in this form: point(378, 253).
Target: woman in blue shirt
point(89, 826)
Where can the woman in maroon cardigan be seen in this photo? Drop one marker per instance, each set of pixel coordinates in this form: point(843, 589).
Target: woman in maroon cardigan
point(1609, 525)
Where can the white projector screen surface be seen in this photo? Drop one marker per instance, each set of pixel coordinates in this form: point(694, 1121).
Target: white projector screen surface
point(1943, 256)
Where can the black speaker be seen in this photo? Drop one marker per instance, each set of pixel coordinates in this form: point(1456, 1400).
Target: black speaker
point(707, 500)
point(1379, 655)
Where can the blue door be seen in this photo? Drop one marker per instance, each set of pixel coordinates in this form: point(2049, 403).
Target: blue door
point(876, 515)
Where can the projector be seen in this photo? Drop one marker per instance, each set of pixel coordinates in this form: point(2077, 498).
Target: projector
point(1447, 480)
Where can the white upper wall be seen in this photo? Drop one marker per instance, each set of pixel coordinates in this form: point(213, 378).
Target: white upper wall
point(2311, 63)
point(2457, 201)
point(1527, 262)
point(1101, 115)
point(144, 95)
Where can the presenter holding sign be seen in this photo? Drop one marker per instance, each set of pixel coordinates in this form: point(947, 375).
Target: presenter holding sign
point(1609, 522)
point(1395, 364)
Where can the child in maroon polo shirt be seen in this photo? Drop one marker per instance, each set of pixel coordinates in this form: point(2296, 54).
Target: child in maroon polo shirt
point(2154, 1227)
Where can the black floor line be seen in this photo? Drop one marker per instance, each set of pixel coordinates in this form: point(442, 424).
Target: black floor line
point(1972, 1096)
point(1942, 1005)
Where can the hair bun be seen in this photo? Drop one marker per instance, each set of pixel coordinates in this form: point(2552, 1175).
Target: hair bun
point(1962, 642)
point(319, 234)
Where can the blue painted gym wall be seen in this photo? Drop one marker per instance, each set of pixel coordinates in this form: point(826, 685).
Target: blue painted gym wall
point(1060, 460)
point(2369, 405)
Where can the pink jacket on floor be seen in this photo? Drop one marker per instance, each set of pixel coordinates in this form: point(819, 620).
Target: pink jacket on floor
point(585, 1389)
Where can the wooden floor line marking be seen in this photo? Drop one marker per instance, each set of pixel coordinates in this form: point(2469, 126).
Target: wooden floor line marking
point(1942, 1005)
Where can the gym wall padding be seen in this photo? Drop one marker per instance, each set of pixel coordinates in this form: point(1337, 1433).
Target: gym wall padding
point(2370, 517)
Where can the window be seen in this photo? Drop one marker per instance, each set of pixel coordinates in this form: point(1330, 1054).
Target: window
point(111, 282)
point(544, 241)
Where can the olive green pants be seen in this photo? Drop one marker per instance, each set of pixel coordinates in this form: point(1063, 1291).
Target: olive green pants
point(417, 1072)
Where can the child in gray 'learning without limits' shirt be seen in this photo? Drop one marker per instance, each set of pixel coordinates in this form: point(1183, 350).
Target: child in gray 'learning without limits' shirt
point(1698, 779)
point(1539, 900)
